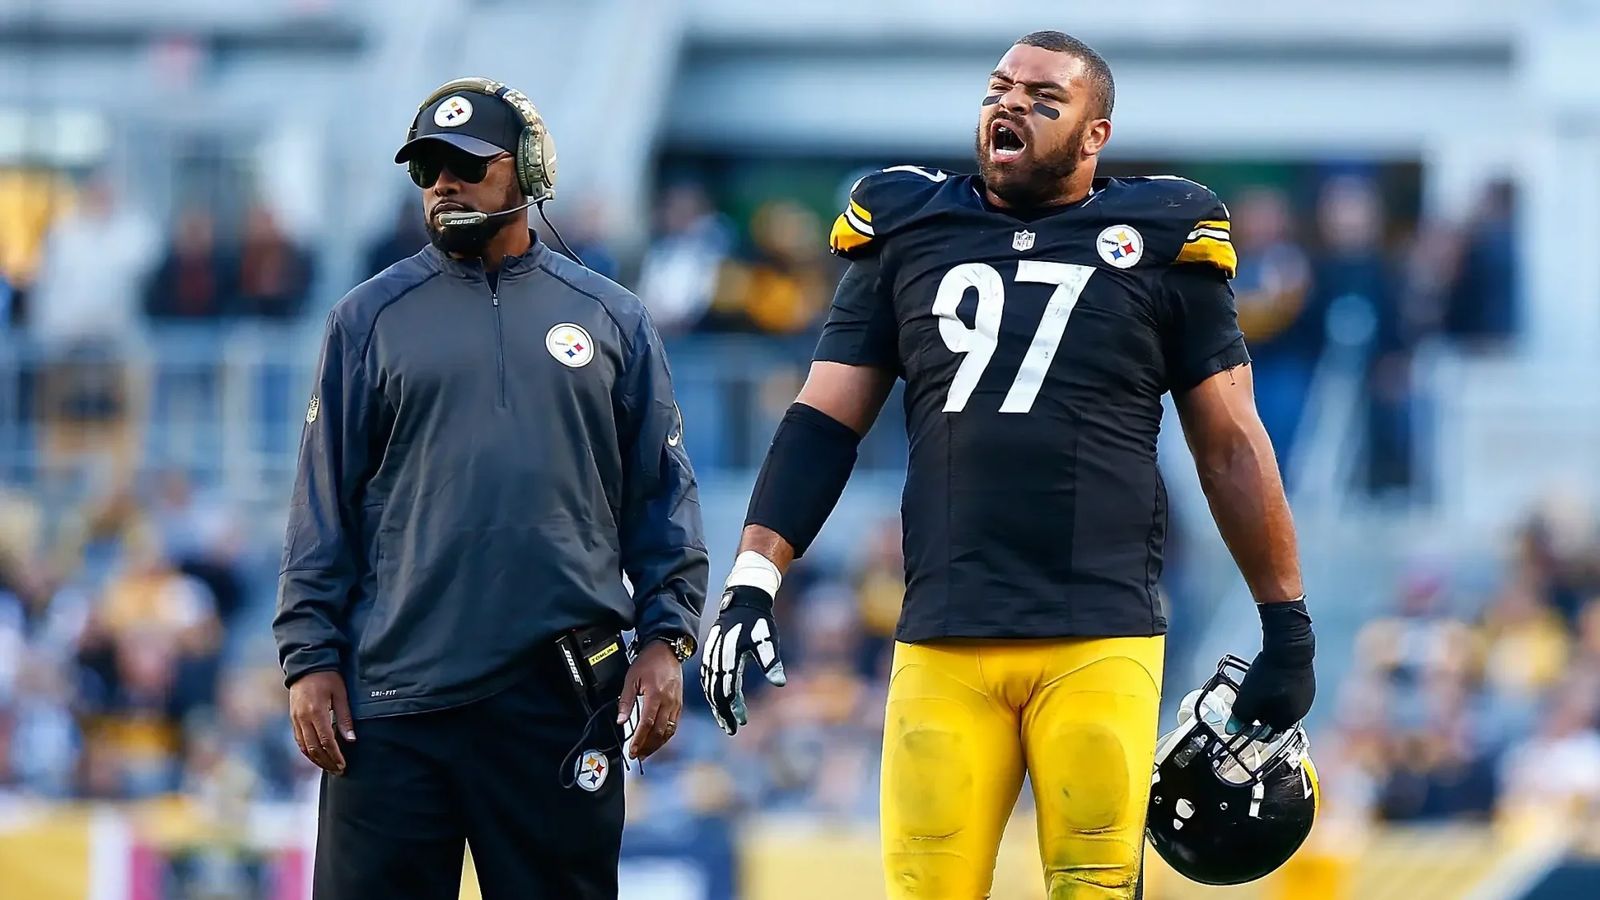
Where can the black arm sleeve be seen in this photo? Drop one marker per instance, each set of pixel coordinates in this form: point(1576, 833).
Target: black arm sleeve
point(1201, 334)
point(803, 475)
point(861, 328)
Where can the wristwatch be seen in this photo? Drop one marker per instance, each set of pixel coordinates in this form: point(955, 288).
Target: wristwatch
point(683, 645)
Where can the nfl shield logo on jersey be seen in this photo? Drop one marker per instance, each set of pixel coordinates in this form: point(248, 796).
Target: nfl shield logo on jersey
point(1022, 240)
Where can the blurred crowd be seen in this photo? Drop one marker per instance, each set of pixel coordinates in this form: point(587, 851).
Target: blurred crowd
point(1476, 700)
point(1331, 278)
point(84, 265)
point(1350, 286)
point(131, 661)
point(700, 272)
point(134, 658)
point(134, 664)
point(1479, 695)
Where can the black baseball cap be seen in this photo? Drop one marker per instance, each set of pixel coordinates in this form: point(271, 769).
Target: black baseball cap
point(480, 124)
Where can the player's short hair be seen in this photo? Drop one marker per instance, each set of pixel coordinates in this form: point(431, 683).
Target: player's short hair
point(1099, 72)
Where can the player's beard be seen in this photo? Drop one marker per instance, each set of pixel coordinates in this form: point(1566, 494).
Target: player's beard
point(1031, 183)
point(471, 240)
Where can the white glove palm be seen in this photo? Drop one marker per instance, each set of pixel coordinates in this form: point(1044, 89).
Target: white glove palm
point(743, 629)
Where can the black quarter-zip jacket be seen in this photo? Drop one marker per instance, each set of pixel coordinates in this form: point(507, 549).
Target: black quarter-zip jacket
point(480, 466)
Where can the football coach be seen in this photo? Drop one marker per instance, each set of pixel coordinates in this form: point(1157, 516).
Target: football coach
point(491, 445)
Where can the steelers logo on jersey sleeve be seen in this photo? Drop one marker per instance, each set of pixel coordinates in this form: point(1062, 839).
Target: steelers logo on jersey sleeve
point(1120, 246)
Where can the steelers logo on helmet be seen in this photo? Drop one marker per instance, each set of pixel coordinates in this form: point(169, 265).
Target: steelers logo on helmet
point(1120, 246)
point(592, 769)
point(570, 345)
point(453, 113)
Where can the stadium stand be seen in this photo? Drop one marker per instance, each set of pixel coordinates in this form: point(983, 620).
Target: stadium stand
point(186, 187)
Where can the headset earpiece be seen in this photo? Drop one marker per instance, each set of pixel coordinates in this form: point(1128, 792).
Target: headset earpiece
point(528, 161)
point(535, 157)
point(413, 168)
point(536, 152)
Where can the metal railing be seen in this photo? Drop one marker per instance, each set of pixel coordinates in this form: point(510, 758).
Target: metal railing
point(225, 404)
point(218, 401)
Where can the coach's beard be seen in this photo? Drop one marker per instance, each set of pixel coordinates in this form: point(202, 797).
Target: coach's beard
point(467, 240)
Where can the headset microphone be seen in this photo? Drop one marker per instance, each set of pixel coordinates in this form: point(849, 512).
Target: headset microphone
point(463, 219)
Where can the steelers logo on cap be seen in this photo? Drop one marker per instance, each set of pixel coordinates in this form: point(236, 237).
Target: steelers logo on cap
point(453, 113)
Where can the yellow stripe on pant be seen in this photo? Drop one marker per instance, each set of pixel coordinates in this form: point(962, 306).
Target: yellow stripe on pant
point(967, 718)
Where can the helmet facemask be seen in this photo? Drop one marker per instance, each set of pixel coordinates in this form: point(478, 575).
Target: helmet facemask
point(1226, 809)
point(1202, 727)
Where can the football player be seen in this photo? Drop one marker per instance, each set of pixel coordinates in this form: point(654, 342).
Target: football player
point(1037, 314)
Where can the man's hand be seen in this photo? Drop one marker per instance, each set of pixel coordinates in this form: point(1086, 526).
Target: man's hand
point(744, 628)
point(655, 682)
point(1278, 689)
point(316, 702)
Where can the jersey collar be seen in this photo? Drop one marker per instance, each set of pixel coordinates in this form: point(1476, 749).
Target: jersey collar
point(471, 269)
point(1036, 213)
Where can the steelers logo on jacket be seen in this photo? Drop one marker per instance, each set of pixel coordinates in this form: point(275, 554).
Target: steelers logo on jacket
point(570, 345)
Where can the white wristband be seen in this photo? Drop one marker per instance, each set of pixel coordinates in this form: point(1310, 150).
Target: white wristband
point(751, 569)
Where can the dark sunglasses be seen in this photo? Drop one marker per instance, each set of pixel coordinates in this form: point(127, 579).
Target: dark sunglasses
point(465, 166)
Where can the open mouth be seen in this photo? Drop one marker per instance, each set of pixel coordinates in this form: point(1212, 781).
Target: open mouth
point(1005, 144)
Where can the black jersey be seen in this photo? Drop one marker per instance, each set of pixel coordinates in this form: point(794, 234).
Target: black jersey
point(1035, 352)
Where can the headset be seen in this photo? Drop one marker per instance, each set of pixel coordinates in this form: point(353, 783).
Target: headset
point(535, 158)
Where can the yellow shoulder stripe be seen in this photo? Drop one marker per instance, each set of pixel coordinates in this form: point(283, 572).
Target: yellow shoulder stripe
point(861, 212)
point(1218, 224)
point(1210, 250)
point(845, 236)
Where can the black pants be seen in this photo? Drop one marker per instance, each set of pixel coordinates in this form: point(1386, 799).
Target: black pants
point(488, 774)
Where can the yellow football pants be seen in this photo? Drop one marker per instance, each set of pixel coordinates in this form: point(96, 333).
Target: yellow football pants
point(966, 718)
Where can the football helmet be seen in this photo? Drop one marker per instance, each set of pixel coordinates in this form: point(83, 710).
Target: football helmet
point(1226, 809)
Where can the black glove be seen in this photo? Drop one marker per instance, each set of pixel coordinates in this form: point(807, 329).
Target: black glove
point(1278, 689)
point(744, 628)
